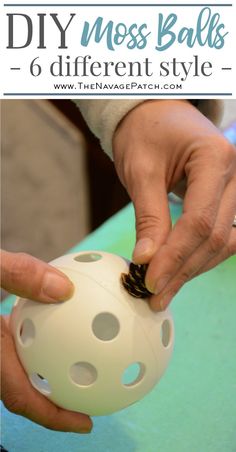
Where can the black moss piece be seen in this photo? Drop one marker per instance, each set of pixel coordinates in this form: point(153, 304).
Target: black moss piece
point(134, 281)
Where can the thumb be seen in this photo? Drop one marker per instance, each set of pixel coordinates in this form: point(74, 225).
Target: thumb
point(153, 221)
point(29, 277)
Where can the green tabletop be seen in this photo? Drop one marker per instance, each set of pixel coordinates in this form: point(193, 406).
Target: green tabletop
point(193, 408)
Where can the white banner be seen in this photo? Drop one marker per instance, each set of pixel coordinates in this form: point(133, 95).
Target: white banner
point(118, 50)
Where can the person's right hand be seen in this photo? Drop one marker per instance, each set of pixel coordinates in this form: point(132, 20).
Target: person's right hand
point(29, 277)
point(158, 147)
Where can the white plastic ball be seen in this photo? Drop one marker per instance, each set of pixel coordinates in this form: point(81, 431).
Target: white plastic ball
point(102, 350)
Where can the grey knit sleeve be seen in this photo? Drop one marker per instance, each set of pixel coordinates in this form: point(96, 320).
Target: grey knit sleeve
point(103, 116)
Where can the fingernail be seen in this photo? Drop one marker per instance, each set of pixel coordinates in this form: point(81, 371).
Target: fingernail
point(143, 248)
point(57, 287)
point(155, 306)
point(156, 286)
point(161, 304)
point(165, 301)
point(85, 430)
point(160, 284)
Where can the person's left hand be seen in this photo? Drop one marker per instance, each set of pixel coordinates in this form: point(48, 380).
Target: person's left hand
point(19, 396)
point(29, 277)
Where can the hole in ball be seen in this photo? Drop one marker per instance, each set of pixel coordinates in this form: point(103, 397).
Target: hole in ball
point(105, 326)
point(166, 333)
point(83, 373)
point(133, 374)
point(88, 257)
point(40, 383)
point(26, 333)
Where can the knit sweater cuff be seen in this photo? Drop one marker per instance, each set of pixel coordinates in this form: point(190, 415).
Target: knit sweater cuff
point(103, 116)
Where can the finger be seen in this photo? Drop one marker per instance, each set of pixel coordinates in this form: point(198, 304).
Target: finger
point(219, 246)
point(208, 250)
point(161, 301)
point(21, 398)
point(193, 227)
point(228, 251)
point(40, 410)
point(153, 221)
point(218, 239)
point(29, 277)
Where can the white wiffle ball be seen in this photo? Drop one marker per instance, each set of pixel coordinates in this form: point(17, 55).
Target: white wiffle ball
point(102, 350)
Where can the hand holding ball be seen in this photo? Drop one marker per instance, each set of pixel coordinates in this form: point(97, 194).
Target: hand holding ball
point(102, 350)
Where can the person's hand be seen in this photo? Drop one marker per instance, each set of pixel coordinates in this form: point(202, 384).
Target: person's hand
point(28, 277)
point(168, 145)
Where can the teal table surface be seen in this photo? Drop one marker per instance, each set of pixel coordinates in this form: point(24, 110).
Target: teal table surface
point(193, 408)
